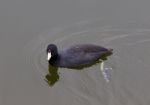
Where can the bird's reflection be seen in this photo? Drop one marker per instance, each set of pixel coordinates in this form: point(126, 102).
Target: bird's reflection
point(52, 77)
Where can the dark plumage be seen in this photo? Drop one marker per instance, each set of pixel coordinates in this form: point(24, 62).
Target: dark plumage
point(77, 56)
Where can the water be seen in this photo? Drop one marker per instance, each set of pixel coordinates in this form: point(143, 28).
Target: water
point(27, 27)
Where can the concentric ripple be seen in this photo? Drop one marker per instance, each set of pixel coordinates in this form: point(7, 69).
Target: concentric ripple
point(120, 38)
point(129, 63)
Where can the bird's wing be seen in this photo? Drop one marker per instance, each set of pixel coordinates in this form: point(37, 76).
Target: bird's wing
point(86, 48)
point(83, 53)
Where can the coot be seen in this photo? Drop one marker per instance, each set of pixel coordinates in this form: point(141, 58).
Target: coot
point(76, 56)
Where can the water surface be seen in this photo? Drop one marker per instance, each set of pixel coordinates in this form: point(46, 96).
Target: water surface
point(27, 27)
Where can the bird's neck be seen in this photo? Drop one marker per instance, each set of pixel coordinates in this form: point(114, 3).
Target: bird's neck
point(54, 59)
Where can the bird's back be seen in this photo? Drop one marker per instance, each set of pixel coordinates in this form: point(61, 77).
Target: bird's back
point(85, 48)
point(81, 55)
